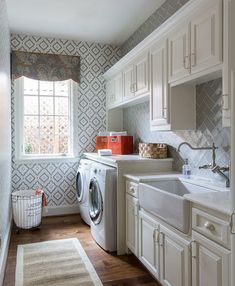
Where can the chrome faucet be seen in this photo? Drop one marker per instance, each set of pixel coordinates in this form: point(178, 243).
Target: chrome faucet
point(213, 166)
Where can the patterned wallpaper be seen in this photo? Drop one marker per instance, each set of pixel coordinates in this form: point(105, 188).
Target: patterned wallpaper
point(5, 124)
point(167, 9)
point(209, 112)
point(209, 129)
point(58, 178)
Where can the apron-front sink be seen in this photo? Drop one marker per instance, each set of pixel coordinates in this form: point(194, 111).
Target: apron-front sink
point(164, 198)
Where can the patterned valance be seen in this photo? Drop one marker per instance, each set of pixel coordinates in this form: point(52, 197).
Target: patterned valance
point(46, 67)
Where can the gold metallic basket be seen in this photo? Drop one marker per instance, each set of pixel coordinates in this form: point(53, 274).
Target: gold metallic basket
point(153, 150)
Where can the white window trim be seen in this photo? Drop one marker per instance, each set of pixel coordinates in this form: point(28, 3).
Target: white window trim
point(18, 115)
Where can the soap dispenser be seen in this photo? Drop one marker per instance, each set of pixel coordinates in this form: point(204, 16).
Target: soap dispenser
point(186, 170)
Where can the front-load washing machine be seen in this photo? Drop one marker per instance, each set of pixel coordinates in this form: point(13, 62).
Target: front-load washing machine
point(82, 188)
point(103, 205)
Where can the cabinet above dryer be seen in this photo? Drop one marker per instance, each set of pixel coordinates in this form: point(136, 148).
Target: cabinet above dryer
point(190, 48)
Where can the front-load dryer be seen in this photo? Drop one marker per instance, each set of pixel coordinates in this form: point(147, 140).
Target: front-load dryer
point(82, 188)
point(103, 205)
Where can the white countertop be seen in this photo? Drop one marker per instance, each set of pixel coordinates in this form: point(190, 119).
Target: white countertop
point(217, 197)
point(119, 158)
point(219, 201)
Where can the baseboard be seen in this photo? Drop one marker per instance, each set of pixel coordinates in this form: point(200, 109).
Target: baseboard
point(60, 210)
point(4, 251)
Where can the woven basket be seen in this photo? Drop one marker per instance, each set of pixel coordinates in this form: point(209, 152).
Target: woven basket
point(153, 150)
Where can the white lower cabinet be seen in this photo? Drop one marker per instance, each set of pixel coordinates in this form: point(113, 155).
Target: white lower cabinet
point(149, 243)
point(175, 262)
point(132, 224)
point(210, 262)
point(175, 259)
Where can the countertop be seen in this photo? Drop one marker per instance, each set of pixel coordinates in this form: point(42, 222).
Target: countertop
point(120, 158)
point(219, 201)
point(217, 197)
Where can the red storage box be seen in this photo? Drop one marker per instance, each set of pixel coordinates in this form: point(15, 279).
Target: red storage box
point(120, 144)
point(101, 142)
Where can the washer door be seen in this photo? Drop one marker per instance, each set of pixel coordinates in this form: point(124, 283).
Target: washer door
point(95, 202)
point(79, 185)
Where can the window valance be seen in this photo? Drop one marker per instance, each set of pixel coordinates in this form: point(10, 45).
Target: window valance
point(46, 67)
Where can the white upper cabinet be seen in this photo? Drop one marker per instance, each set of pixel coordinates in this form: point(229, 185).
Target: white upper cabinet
point(206, 36)
point(136, 77)
point(118, 88)
point(141, 75)
point(170, 108)
point(179, 48)
point(196, 51)
point(159, 102)
point(114, 91)
point(196, 45)
point(110, 92)
point(128, 82)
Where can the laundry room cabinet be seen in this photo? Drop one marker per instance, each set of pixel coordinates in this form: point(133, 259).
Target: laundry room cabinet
point(196, 45)
point(179, 49)
point(170, 108)
point(159, 96)
point(114, 91)
point(174, 259)
point(210, 262)
point(136, 77)
point(149, 243)
point(190, 48)
point(132, 224)
point(132, 209)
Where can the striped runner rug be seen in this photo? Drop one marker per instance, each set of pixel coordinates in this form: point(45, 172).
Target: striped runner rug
point(54, 263)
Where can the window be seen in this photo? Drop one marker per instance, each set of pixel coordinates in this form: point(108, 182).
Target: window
point(45, 118)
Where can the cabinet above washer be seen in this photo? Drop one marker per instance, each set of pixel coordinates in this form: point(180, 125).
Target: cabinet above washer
point(187, 49)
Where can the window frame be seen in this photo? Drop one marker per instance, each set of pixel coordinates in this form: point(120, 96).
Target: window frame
point(19, 126)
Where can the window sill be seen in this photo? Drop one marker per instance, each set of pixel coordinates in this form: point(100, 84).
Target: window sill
point(60, 159)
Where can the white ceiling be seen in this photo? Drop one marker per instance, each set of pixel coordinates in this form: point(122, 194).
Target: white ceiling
point(104, 21)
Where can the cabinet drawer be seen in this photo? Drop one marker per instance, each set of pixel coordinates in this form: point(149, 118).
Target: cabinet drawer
point(211, 226)
point(132, 189)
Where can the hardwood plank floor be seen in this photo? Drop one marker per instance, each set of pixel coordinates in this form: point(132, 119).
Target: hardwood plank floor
point(113, 270)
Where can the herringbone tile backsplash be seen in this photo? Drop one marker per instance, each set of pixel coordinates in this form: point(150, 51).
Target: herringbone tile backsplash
point(209, 129)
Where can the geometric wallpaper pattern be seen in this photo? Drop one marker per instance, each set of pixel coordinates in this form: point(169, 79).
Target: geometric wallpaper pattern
point(167, 9)
point(209, 129)
point(58, 178)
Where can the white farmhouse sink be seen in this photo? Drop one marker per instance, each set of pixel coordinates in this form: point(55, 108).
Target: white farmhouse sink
point(164, 198)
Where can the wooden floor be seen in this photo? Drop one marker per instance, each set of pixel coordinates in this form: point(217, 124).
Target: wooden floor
point(112, 270)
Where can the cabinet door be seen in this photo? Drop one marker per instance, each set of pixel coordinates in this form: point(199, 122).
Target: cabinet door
point(174, 259)
point(132, 224)
point(210, 262)
point(148, 243)
point(118, 88)
point(206, 36)
point(159, 85)
point(110, 93)
point(141, 75)
point(128, 86)
point(179, 53)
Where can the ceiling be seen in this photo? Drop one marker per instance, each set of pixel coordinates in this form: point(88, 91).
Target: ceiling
point(103, 21)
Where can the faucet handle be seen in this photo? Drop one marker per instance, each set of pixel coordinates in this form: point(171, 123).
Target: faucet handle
point(224, 169)
point(207, 166)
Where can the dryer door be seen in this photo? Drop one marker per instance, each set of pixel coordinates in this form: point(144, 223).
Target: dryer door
point(80, 185)
point(95, 202)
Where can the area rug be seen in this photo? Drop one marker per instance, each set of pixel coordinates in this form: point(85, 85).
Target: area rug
point(56, 262)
